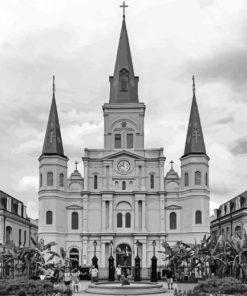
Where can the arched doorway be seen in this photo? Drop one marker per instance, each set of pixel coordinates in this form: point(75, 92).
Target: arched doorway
point(74, 257)
point(123, 255)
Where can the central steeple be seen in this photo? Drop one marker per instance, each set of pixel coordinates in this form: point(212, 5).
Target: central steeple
point(124, 83)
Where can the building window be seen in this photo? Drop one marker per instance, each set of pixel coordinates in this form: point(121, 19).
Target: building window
point(25, 238)
point(152, 181)
point(61, 180)
point(186, 179)
point(40, 180)
point(119, 220)
point(173, 220)
point(118, 141)
point(95, 181)
point(197, 178)
point(8, 234)
point(19, 237)
point(50, 179)
point(74, 220)
point(124, 79)
point(116, 184)
point(49, 217)
point(198, 217)
point(127, 220)
point(206, 179)
point(238, 231)
point(124, 185)
point(130, 141)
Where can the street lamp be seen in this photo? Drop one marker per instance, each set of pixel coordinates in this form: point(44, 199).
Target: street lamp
point(94, 244)
point(137, 247)
point(111, 243)
point(111, 276)
point(154, 244)
point(137, 276)
point(154, 264)
point(95, 259)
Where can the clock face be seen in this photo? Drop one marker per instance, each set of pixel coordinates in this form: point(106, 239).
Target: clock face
point(123, 166)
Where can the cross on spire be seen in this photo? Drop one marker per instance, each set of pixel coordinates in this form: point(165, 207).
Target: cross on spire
point(53, 86)
point(76, 163)
point(171, 162)
point(124, 6)
point(193, 85)
point(196, 133)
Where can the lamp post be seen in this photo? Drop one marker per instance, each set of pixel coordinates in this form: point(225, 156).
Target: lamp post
point(154, 264)
point(111, 276)
point(137, 276)
point(95, 259)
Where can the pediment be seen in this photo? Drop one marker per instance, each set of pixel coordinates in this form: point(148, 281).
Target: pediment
point(124, 153)
point(173, 207)
point(74, 207)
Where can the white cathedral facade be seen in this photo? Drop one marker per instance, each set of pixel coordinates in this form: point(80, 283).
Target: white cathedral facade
point(126, 194)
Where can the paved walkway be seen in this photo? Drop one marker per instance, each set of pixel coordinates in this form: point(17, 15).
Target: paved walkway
point(179, 286)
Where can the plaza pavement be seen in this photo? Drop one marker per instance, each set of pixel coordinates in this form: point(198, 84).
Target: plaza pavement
point(179, 286)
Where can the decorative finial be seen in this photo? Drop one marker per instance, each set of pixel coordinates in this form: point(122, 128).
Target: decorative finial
point(124, 6)
point(53, 86)
point(193, 85)
point(76, 163)
point(172, 162)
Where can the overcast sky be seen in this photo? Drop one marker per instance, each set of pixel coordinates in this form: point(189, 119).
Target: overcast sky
point(77, 41)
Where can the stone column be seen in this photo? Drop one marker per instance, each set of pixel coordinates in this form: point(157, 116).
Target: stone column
point(85, 260)
point(103, 215)
point(103, 254)
point(124, 219)
point(162, 213)
point(136, 215)
point(84, 214)
point(85, 175)
point(144, 254)
point(161, 175)
point(144, 215)
point(110, 215)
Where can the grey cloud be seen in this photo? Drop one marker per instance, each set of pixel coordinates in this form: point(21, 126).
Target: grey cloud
point(240, 147)
point(224, 120)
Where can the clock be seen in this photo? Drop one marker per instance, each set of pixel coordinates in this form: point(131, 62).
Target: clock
point(123, 166)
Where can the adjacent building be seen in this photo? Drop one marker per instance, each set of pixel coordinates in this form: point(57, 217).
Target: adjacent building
point(127, 192)
point(15, 227)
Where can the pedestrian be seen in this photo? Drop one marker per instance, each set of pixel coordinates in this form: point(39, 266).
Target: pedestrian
point(169, 278)
point(94, 274)
point(67, 279)
point(118, 272)
point(75, 280)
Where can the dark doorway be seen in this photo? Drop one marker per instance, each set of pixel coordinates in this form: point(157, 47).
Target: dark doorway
point(74, 257)
point(123, 255)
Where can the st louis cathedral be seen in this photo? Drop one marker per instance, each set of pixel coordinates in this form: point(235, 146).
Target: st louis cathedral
point(126, 194)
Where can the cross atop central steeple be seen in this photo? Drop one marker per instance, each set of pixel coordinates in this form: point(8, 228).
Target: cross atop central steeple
point(124, 6)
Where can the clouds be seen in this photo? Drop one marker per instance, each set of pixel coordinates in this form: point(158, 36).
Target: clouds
point(77, 41)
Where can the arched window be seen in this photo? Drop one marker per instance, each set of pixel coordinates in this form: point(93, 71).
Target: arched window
point(119, 220)
point(124, 185)
point(198, 217)
point(173, 220)
point(124, 79)
point(197, 178)
point(117, 141)
point(40, 180)
point(186, 179)
point(131, 184)
point(238, 231)
point(116, 184)
point(152, 181)
point(95, 181)
point(49, 179)
point(130, 141)
point(49, 217)
point(19, 237)
point(74, 220)
point(127, 220)
point(8, 234)
point(206, 179)
point(61, 180)
point(74, 257)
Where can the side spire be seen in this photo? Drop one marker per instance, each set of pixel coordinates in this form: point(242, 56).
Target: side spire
point(53, 144)
point(124, 83)
point(194, 140)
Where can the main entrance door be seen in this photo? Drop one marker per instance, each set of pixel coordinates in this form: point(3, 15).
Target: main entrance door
point(123, 255)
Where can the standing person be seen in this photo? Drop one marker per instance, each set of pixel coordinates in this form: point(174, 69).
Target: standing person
point(75, 279)
point(67, 279)
point(94, 274)
point(118, 272)
point(169, 277)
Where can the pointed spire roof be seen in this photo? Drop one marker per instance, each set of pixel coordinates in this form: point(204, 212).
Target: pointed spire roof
point(53, 144)
point(126, 91)
point(194, 140)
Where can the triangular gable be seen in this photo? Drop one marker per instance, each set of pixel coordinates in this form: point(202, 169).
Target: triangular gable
point(123, 153)
point(74, 207)
point(173, 207)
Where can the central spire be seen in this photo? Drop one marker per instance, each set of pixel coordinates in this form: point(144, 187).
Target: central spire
point(124, 83)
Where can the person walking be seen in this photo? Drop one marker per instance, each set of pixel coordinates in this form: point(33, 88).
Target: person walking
point(118, 272)
point(94, 274)
point(169, 278)
point(75, 279)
